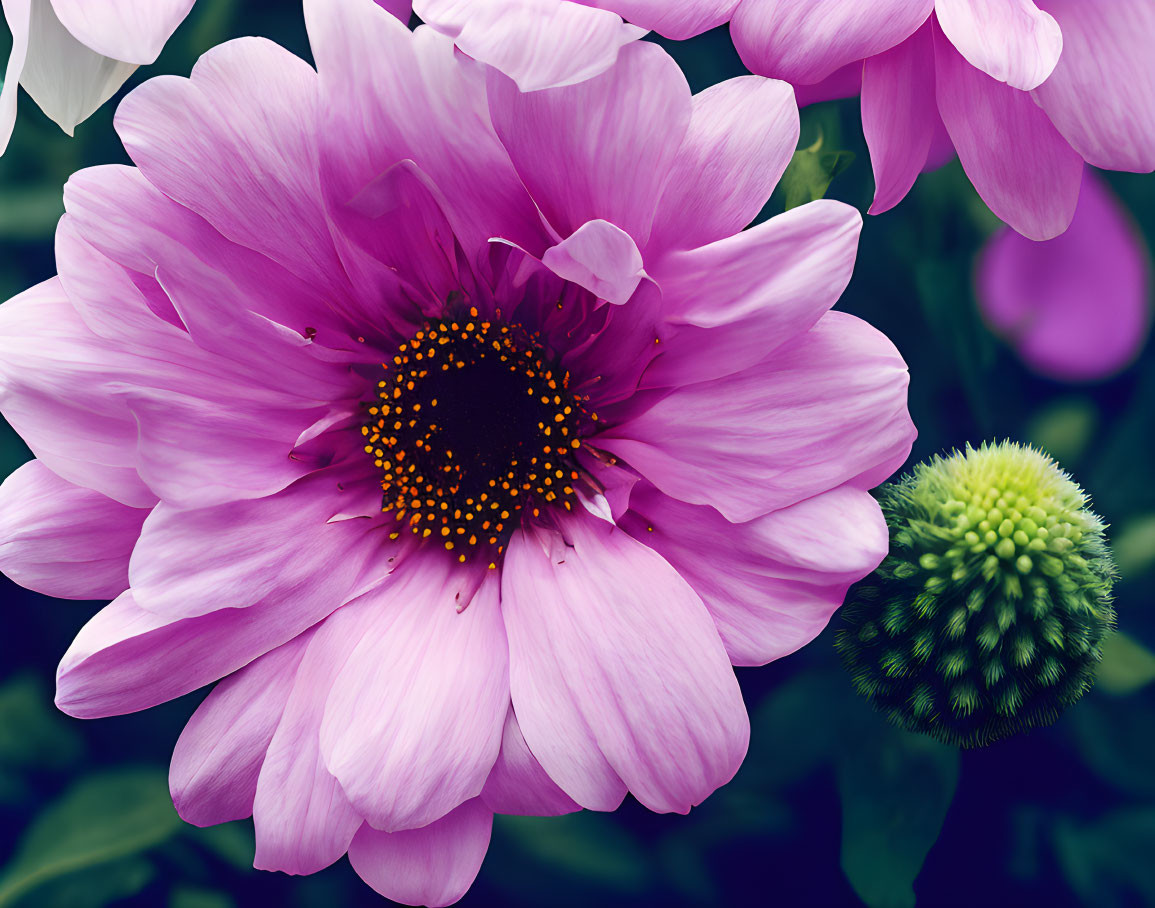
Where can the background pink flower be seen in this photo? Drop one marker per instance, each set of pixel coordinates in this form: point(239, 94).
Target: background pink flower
point(197, 386)
point(1026, 92)
point(1077, 307)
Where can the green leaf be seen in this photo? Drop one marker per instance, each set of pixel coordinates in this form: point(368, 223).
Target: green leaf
point(1064, 428)
point(30, 213)
point(585, 845)
point(1127, 665)
point(231, 842)
point(1116, 738)
point(188, 897)
point(94, 888)
point(1108, 863)
point(32, 733)
point(105, 818)
point(787, 743)
point(811, 171)
point(1134, 546)
point(896, 787)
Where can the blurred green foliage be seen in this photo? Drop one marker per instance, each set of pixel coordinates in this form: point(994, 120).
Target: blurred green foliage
point(833, 806)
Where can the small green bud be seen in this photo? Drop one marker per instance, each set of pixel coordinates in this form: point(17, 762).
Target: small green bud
point(989, 614)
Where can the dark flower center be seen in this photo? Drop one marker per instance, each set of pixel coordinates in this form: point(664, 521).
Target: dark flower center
point(474, 426)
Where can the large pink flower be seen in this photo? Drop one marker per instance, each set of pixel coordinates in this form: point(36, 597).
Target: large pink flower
point(1027, 91)
point(622, 442)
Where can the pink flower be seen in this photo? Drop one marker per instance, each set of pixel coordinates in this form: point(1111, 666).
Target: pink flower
point(619, 441)
point(1076, 307)
point(1027, 91)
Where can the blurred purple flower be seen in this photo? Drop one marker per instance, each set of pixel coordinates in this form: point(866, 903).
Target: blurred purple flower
point(622, 442)
point(1025, 92)
point(1077, 307)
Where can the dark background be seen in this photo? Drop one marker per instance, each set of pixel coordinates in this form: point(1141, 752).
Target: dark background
point(829, 793)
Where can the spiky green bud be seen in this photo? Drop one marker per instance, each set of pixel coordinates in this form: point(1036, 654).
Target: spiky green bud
point(988, 615)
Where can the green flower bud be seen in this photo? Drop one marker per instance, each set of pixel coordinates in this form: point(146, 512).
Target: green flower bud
point(989, 613)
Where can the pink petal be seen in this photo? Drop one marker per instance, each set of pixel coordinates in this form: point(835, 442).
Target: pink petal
point(236, 143)
point(518, 785)
point(123, 29)
point(733, 302)
point(191, 448)
point(281, 548)
point(600, 257)
point(432, 866)
point(844, 82)
point(677, 19)
point(1024, 170)
point(413, 724)
point(436, 114)
point(802, 41)
point(64, 540)
point(742, 135)
point(17, 13)
point(602, 149)
point(540, 44)
point(1076, 307)
point(129, 658)
point(773, 583)
point(899, 116)
point(1101, 96)
point(1012, 41)
point(216, 761)
point(52, 378)
point(617, 670)
point(302, 819)
point(399, 8)
point(825, 409)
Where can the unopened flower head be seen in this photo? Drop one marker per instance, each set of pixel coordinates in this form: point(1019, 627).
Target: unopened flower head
point(989, 613)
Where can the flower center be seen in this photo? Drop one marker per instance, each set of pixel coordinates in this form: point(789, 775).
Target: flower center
point(474, 425)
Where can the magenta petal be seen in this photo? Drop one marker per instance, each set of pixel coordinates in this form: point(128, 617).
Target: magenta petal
point(742, 135)
point(432, 866)
point(844, 82)
point(804, 41)
point(600, 257)
point(129, 658)
point(302, 819)
point(399, 8)
point(899, 116)
point(540, 43)
point(53, 374)
point(773, 583)
point(518, 785)
point(1101, 96)
point(1012, 41)
point(64, 540)
point(1024, 170)
point(602, 149)
point(616, 669)
point(733, 302)
point(435, 93)
point(413, 723)
point(216, 761)
point(1075, 307)
point(280, 548)
point(236, 143)
point(826, 409)
point(125, 30)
